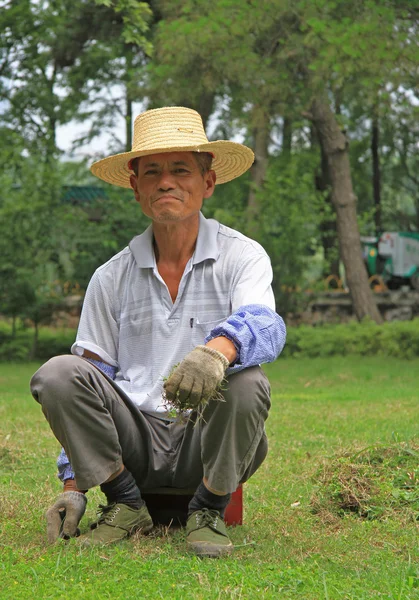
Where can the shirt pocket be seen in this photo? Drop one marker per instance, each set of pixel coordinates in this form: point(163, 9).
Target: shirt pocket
point(203, 328)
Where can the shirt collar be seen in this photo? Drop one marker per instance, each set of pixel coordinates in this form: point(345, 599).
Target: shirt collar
point(142, 248)
point(206, 245)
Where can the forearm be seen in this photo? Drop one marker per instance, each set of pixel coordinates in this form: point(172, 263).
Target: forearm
point(257, 333)
point(225, 346)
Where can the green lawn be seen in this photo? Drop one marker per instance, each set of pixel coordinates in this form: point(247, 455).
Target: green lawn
point(320, 408)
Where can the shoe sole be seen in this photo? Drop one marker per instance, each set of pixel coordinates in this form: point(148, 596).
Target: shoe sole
point(210, 550)
point(89, 541)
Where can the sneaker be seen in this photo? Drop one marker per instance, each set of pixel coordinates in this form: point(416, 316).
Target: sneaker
point(206, 534)
point(116, 523)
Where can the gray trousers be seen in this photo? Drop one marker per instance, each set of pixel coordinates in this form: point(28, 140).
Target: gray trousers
point(100, 429)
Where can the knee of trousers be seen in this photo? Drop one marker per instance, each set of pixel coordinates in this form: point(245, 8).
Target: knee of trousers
point(54, 381)
point(248, 392)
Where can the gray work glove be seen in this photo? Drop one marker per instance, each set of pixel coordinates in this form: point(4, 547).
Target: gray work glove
point(196, 379)
point(64, 516)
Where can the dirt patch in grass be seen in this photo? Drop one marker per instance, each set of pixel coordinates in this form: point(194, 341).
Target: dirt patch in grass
point(378, 482)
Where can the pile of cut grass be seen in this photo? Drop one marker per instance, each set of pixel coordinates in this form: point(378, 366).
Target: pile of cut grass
point(377, 482)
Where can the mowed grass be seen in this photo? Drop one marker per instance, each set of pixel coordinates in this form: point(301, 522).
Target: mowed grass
point(320, 408)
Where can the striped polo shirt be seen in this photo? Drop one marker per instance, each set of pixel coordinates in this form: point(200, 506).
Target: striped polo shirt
point(131, 322)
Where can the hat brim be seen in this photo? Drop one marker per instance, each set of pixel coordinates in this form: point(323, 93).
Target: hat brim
point(230, 161)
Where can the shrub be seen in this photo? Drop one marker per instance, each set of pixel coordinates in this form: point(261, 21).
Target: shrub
point(13, 350)
point(54, 342)
point(399, 339)
point(51, 343)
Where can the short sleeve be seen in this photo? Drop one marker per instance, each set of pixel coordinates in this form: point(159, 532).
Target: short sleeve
point(98, 327)
point(252, 282)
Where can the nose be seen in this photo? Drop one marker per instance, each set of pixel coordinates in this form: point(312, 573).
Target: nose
point(166, 181)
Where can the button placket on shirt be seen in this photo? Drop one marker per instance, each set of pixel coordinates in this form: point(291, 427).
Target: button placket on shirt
point(169, 306)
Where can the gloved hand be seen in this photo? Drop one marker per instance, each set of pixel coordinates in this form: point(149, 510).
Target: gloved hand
point(196, 379)
point(64, 516)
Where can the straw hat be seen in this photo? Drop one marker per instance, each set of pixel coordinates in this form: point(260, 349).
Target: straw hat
point(174, 129)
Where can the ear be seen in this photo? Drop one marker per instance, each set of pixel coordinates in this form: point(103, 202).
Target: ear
point(209, 180)
point(133, 184)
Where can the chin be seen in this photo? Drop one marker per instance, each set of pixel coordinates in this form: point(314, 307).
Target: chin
point(167, 216)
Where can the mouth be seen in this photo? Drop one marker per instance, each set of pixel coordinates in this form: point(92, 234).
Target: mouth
point(167, 197)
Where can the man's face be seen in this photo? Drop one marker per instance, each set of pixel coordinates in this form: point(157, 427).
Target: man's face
point(170, 186)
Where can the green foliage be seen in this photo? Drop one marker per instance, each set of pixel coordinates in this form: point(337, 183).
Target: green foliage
point(50, 247)
point(274, 57)
point(53, 342)
point(229, 59)
point(135, 16)
point(17, 347)
point(58, 59)
point(396, 339)
point(286, 199)
point(289, 237)
point(14, 349)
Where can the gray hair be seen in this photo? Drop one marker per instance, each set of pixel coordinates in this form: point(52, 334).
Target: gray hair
point(203, 160)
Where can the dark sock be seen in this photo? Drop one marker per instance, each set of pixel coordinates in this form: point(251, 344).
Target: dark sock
point(203, 498)
point(123, 490)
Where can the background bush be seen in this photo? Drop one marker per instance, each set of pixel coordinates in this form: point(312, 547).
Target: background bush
point(399, 339)
point(51, 342)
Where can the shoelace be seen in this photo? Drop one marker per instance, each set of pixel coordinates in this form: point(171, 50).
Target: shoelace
point(207, 516)
point(105, 513)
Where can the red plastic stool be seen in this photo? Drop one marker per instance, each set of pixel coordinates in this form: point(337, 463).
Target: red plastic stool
point(169, 506)
point(234, 511)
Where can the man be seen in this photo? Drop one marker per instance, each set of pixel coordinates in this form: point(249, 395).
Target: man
point(187, 307)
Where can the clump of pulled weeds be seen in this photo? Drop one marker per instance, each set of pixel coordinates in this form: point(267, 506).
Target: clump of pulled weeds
point(377, 482)
point(182, 409)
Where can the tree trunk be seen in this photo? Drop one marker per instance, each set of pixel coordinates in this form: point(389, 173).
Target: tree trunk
point(335, 147)
point(128, 97)
point(206, 106)
point(286, 136)
point(376, 176)
point(261, 134)
point(128, 121)
point(34, 349)
point(328, 232)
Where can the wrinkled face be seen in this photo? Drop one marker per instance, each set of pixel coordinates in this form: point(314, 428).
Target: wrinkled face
point(170, 186)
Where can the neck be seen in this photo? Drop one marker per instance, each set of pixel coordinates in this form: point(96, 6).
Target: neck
point(174, 243)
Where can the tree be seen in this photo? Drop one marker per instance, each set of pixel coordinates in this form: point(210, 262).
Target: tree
point(56, 57)
point(111, 71)
point(226, 51)
point(288, 78)
point(400, 187)
point(52, 55)
point(274, 53)
point(376, 39)
point(343, 198)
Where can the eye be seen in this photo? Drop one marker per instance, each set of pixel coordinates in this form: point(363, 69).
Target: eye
point(181, 170)
point(150, 172)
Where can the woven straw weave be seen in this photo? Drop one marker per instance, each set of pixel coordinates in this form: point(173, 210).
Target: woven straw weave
point(174, 129)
